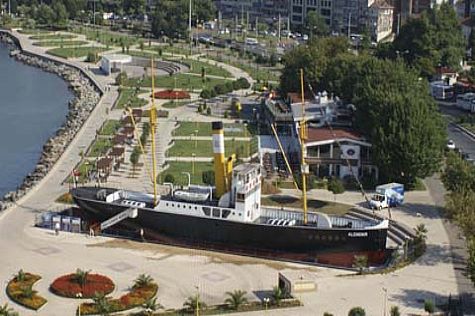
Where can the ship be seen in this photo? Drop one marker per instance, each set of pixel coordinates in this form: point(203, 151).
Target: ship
point(229, 216)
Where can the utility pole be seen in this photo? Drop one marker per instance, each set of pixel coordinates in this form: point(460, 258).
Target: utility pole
point(9, 8)
point(257, 26)
point(349, 25)
point(278, 30)
point(398, 23)
point(242, 14)
point(220, 20)
point(191, 33)
point(247, 20)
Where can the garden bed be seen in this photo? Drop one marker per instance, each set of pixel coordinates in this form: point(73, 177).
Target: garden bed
point(172, 95)
point(137, 297)
point(69, 286)
point(19, 290)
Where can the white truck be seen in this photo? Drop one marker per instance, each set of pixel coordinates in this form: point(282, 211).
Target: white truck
point(387, 195)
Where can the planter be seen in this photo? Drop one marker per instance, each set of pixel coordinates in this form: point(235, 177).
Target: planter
point(68, 286)
point(21, 292)
point(172, 95)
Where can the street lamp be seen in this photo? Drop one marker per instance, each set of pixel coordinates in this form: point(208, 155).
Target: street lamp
point(197, 300)
point(193, 155)
point(385, 290)
point(196, 138)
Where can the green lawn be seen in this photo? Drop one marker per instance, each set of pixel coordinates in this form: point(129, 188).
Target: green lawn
point(203, 148)
point(176, 169)
point(33, 31)
point(145, 54)
point(52, 37)
point(313, 205)
point(59, 43)
point(211, 69)
point(470, 127)
point(204, 129)
point(110, 127)
point(83, 168)
point(128, 98)
point(167, 49)
point(107, 38)
point(174, 104)
point(68, 52)
point(100, 147)
point(257, 72)
point(183, 81)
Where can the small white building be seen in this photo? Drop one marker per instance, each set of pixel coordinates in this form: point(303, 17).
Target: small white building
point(114, 62)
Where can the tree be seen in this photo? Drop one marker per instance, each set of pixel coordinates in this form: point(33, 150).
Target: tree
point(335, 185)
point(143, 280)
point(396, 113)
point(394, 311)
point(327, 314)
point(20, 276)
point(151, 306)
point(429, 306)
point(80, 276)
point(60, 13)
point(360, 263)
point(459, 175)
point(357, 311)
point(134, 159)
point(5, 310)
point(315, 24)
point(471, 43)
point(103, 303)
point(420, 240)
point(235, 299)
point(277, 295)
point(44, 15)
point(169, 178)
point(192, 302)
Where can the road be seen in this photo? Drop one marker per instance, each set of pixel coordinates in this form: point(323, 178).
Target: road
point(461, 139)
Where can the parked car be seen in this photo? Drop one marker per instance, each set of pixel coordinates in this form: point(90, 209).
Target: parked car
point(451, 145)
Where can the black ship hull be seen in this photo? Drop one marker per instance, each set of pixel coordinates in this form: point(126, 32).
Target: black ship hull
point(309, 244)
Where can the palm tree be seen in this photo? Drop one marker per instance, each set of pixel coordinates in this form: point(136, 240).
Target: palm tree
point(192, 302)
point(103, 303)
point(394, 311)
point(357, 311)
point(360, 263)
point(277, 295)
point(151, 306)
point(7, 311)
point(143, 280)
point(21, 275)
point(80, 276)
point(28, 292)
point(421, 232)
point(236, 299)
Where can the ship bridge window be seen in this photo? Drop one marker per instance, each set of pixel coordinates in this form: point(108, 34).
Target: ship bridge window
point(207, 211)
point(225, 213)
point(240, 197)
point(216, 212)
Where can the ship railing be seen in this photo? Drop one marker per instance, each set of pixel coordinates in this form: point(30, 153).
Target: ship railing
point(342, 222)
point(287, 215)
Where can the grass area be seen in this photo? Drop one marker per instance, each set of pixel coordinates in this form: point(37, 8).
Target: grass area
point(183, 81)
point(204, 129)
point(174, 104)
point(313, 205)
point(110, 127)
point(204, 148)
point(59, 43)
point(171, 50)
point(52, 37)
point(128, 98)
point(33, 31)
point(68, 52)
point(176, 168)
point(196, 67)
point(257, 72)
point(107, 38)
point(83, 169)
point(99, 147)
point(145, 54)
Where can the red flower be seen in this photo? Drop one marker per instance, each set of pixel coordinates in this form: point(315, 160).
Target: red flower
point(172, 95)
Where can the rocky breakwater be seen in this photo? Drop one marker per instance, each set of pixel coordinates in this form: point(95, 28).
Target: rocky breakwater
point(86, 98)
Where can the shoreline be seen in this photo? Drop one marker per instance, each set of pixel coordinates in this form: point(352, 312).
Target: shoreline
point(86, 95)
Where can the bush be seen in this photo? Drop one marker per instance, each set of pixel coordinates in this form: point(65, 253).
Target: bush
point(357, 311)
point(336, 186)
point(205, 94)
point(208, 177)
point(429, 306)
point(169, 178)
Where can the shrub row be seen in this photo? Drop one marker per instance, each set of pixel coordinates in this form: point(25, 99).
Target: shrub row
point(224, 88)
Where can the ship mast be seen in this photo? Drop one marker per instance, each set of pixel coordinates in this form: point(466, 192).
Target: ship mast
point(303, 136)
point(153, 126)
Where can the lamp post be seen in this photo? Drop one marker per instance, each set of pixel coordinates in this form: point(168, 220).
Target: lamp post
point(196, 138)
point(197, 301)
point(385, 290)
point(79, 296)
point(193, 155)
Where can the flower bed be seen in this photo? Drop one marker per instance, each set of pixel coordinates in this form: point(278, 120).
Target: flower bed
point(19, 290)
point(68, 286)
point(172, 95)
point(135, 298)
